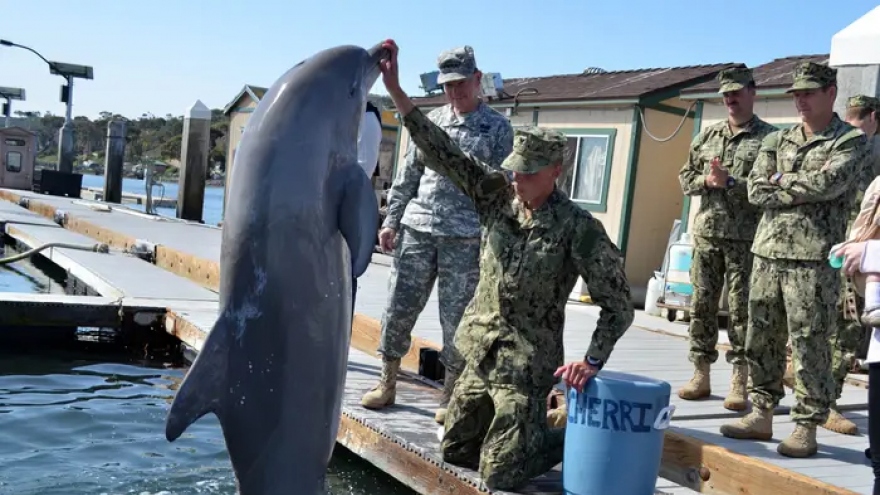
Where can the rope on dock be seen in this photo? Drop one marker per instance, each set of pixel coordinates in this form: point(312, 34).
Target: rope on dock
point(97, 248)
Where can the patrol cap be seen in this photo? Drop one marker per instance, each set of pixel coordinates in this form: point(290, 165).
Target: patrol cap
point(863, 101)
point(456, 64)
point(810, 75)
point(533, 149)
point(734, 79)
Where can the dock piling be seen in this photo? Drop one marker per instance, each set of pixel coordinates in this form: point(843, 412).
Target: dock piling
point(194, 162)
point(113, 159)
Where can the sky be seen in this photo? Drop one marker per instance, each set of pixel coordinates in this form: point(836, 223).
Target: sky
point(160, 56)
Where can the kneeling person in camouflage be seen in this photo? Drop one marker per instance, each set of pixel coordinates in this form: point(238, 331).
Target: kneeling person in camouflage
point(536, 242)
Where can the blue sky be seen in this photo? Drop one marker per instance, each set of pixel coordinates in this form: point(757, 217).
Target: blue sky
point(160, 56)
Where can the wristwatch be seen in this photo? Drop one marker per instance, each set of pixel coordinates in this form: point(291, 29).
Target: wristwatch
point(775, 178)
point(596, 363)
point(731, 181)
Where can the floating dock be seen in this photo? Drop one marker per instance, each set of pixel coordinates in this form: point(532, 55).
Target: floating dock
point(167, 270)
point(159, 201)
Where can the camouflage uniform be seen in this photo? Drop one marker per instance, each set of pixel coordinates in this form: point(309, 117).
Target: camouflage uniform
point(806, 188)
point(723, 231)
point(849, 331)
point(511, 333)
point(438, 235)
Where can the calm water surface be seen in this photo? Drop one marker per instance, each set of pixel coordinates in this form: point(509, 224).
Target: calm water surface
point(86, 421)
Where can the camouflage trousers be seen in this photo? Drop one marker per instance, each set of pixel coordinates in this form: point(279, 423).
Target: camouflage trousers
point(419, 260)
point(848, 334)
point(713, 260)
point(500, 429)
point(796, 300)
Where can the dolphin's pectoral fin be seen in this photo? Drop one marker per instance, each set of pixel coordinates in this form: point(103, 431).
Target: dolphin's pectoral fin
point(359, 218)
point(201, 389)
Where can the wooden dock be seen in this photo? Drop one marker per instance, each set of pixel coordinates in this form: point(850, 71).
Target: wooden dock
point(159, 201)
point(183, 273)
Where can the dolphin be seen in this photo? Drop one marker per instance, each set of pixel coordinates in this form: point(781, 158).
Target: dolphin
point(300, 221)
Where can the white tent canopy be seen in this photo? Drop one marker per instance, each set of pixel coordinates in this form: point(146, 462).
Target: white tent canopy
point(858, 43)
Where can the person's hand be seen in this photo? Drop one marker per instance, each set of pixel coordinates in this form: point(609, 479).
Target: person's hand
point(576, 374)
point(386, 239)
point(852, 256)
point(717, 177)
point(389, 68)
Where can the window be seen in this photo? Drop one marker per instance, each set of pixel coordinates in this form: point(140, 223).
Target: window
point(15, 142)
point(586, 166)
point(13, 161)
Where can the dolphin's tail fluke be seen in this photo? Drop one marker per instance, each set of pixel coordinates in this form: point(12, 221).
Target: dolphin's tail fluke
point(200, 392)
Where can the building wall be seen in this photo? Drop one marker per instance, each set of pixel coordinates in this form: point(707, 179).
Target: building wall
point(776, 110)
point(657, 199)
point(238, 119)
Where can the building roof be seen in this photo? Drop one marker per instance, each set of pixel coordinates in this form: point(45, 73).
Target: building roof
point(775, 74)
point(255, 92)
point(597, 85)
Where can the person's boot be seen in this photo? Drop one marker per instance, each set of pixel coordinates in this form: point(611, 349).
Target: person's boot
point(737, 399)
point(801, 442)
point(699, 386)
point(448, 385)
point(839, 424)
point(756, 425)
point(385, 392)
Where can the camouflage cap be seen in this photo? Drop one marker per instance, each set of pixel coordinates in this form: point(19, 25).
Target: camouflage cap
point(734, 79)
point(863, 101)
point(456, 64)
point(533, 149)
point(810, 75)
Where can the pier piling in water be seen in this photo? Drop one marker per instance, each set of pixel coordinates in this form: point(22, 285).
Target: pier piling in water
point(194, 162)
point(113, 160)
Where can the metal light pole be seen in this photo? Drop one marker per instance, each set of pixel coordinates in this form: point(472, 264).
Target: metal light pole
point(69, 72)
point(10, 94)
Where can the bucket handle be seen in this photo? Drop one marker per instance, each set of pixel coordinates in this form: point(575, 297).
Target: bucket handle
point(664, 417)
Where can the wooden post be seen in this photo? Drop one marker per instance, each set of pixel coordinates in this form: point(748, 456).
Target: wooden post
point(113, 157)
point(194, 162)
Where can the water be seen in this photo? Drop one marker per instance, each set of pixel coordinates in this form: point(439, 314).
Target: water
point(84, 420)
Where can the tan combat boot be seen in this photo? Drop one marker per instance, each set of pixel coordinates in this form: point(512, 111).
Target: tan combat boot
point(737, 400)
point(801, 443)
point(756, 425)
point(839, 424)
point(448, 385)
point(384, 393)
point(698, 387)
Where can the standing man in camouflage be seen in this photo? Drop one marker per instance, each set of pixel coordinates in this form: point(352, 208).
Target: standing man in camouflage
point(804, 180)
point(536, 243)
point(850, 333)
point(720, 160)
point(433, 229)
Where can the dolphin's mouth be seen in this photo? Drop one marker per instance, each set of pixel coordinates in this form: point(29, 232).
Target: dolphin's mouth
point(377, 54)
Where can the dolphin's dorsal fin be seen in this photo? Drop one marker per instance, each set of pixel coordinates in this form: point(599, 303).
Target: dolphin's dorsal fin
point(358, 217)
point(201, 389)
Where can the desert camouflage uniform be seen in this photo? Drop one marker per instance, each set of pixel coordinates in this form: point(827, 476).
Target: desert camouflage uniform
point(438, 239)
point(511, 333)
point(723, 231)
point(793, 288)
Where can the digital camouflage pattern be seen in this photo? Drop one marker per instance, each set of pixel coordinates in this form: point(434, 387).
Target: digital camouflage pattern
point(427, 201)
point(534, 148)
point(808, 211)
point(863, 101)
point(849, 333)
point(712, 260)
point(511, 333)
point(811, 75)
point(456, 64)
point(734, 79)
point(807, 290)
point(420, 259)
point(724, 213)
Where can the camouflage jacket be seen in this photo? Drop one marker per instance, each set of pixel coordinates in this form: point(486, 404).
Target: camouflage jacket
point(808, 211)
point(724, 213)
point(529, 264)
point(424, 200)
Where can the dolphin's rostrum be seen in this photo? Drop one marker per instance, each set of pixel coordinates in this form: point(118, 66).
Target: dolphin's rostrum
point(301, 217)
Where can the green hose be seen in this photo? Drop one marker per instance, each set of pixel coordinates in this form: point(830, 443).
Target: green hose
point(97, 248)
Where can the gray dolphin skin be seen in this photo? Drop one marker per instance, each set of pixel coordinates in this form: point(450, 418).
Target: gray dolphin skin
point(301, 219)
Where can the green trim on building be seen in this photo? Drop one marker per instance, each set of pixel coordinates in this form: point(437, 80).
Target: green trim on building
point(611, 134)
point(712, 95)
point(535, 113)
point(629, 185)
point(686, 204)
